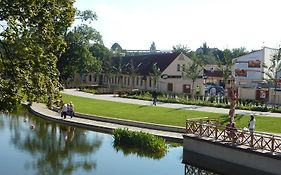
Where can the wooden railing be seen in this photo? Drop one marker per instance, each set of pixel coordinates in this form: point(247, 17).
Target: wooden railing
point(210, 128)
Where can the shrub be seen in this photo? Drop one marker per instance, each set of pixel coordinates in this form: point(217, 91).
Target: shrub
point(147, 142)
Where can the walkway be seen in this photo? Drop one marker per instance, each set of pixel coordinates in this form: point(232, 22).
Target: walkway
point(41, 110)
point(167, 105)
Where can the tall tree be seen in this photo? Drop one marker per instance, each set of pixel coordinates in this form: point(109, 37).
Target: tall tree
point(156, 73)
point(273, 71)
point(182, 49)
point(152, 47)
point(78, 57)
point(225, 64)
point(193, 71)
point(31, 40)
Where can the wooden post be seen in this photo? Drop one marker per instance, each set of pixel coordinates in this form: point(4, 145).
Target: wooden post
point(272, 144)
point(252, 140)
point(216, 132)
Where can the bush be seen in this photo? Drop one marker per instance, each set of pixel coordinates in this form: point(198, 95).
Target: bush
point(146, 141)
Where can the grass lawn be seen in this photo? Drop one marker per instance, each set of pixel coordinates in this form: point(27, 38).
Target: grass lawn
point(161, 115)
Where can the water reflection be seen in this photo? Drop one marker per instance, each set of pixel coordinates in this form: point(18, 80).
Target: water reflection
point(138, 151)
point(48, 148)
point(54, 148)
point(191, 170)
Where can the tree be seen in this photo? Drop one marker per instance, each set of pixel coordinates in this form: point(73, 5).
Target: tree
point(273, 71)
point(155, 73)
point(152, 47)
point(78, 57)
point(225, 64)
point(182, 49)
point(193, 71)
point(31, 40)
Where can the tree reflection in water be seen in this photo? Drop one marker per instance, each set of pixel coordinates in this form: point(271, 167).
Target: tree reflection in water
point(139, 152)
point(192, 170)
point(55, 149)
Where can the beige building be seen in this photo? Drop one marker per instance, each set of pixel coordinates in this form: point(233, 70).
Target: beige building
point(161, 71)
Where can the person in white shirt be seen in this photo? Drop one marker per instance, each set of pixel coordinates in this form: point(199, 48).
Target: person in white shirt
point(64, 110)
point(252, 123)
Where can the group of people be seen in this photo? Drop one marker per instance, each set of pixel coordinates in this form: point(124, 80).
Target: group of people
point(230, 127)
point(67, 109)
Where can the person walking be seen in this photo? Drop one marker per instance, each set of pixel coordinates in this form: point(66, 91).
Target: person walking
point(252, 123)
point(154, 97)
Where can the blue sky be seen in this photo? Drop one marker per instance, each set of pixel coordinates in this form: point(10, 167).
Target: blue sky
point(135, 24)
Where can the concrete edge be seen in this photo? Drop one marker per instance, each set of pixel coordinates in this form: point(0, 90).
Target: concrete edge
point(102, 129)
point(231, 146)
point(130, 123)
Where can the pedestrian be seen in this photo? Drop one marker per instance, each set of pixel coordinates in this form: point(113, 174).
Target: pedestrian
point(71, 109)
point(64, 110)
point(252, 123)
point(154, 97)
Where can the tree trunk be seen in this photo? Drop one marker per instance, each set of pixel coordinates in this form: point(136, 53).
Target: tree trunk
point(192, 91)
point(232, 95)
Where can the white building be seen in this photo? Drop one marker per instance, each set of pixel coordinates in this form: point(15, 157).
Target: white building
point(249, 69)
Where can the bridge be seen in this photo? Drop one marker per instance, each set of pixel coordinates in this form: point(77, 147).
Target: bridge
point(231, 150)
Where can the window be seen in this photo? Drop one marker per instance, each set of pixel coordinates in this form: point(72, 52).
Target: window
point(137, 81)
point(170, 87)
point(186, 88)
point(178, 67)
point(149, 81)
point(90, 77)
point(141, 82)
point(128, 81)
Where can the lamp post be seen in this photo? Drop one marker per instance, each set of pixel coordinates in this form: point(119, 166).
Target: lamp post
point(232, 96)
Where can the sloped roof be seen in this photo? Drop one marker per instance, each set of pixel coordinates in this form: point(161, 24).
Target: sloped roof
point(143, 64)
point(212, 73)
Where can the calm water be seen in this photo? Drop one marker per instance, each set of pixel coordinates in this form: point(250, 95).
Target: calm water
point(54, 149)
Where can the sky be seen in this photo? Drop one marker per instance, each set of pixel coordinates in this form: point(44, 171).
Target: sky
point(135, 24)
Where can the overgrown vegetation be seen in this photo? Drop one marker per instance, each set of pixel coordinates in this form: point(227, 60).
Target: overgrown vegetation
point(144, 144)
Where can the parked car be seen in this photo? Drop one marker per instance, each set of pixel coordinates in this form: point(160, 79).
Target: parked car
point(209, 89)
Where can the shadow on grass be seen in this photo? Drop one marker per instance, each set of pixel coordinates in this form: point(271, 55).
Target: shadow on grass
point(185, 108)
point(143, 106)
point(224, 119)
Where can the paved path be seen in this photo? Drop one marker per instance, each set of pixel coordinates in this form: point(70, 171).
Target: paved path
point(40, 109)
point(167, 105)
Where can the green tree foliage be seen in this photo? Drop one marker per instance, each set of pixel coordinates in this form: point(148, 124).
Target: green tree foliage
point(182, 49)
point(273, 70)
point(78, 58)
point(193, 70)
point(102, 54)
point(31, 40)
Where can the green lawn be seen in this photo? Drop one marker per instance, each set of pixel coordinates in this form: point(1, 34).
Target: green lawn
point(161, 115)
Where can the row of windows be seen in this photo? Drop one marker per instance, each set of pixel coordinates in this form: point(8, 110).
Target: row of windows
point(138, 81)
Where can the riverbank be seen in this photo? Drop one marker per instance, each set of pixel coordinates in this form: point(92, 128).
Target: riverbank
point(107, 125)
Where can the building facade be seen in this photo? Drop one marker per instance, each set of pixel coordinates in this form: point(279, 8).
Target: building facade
point(249, 69)
point(161, 71)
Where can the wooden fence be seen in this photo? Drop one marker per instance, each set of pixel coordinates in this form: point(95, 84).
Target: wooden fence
point(211, 128)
